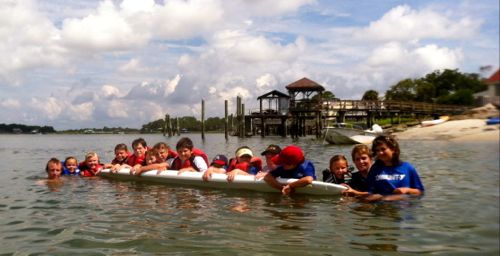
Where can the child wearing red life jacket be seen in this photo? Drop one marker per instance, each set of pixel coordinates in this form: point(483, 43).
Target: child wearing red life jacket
point(139, 157)
point(156, 158)
point(91, 166)
point(187, 160)
point(219, 165)
point(244, 163)
point(121, 157)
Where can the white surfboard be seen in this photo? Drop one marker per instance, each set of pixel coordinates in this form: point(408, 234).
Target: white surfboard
point(219, 180)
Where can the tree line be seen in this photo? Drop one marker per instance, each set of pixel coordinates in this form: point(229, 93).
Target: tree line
point(21, 128)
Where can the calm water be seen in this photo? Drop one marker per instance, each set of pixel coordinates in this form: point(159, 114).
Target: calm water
point(93, 216)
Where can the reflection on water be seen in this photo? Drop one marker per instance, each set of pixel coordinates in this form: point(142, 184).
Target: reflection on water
point(458, 214)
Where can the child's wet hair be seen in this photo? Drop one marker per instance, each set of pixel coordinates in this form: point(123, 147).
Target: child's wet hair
point(337, 158)
point(184, 143)
point(161, 145)
point(139, 141)
point(121, 146)
point(361, 149)
point(90, 154)
point(52, 160)
point(390, 142)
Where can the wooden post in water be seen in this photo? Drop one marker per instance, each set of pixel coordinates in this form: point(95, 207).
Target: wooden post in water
point(178, 126)
point(170, 128)
point(226, 133)
point(203, 119)
point(238, 116)
point(242, 121)
point(165, 126)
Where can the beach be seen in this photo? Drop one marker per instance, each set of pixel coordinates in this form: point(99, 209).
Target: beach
point(455, 130)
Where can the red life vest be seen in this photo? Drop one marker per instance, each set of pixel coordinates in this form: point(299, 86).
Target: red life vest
point(172, 154)
point(134, 160)
point(85, 171)
point(124, 161)
point(177, 165)
point(233, 164)
point(199, 152)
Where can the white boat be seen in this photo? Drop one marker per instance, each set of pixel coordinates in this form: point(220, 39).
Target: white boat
point(342, 133)
point(441, 120)
point(219, 181)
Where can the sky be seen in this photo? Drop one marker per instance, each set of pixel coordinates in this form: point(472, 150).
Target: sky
point(90, 64)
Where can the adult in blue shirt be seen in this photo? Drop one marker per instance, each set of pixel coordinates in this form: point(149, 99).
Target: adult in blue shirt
point(390, 178)
point(291, 164)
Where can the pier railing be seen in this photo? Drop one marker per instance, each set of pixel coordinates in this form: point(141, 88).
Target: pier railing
point(392, 106)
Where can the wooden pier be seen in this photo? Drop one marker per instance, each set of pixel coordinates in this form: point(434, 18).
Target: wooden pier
point(298, 113)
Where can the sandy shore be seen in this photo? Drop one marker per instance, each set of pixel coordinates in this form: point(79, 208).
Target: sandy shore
point(457, 130)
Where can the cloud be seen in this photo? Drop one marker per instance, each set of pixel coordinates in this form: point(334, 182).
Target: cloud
point(10, 103)
point(50, 108)
point(124, 63)
point(107, 29)
point(402, 23)
point(29, 40)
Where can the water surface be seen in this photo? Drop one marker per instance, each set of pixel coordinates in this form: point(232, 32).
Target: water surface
point(459, 213)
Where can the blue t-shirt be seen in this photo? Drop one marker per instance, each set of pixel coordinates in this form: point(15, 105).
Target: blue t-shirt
point(384, 179)
point(302, 170)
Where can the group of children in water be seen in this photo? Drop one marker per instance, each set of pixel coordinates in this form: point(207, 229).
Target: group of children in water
point(386, 178)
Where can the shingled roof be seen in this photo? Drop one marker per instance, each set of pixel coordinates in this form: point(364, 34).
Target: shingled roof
point(305, 84)
point(274, 94)
point(493, 79)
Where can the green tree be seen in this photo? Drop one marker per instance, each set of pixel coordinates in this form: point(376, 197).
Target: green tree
point(402, 91)
point(444, 87)
point(370, 95)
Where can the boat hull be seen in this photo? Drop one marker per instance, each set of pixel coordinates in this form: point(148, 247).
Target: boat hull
point(345, 136)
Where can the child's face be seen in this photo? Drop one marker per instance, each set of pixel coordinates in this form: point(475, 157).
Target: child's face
point(92, 162)
point(269, 157)
point(71, 165)
point(339, 168)
point(244, 158)
point(384, 153)
point(54, 171)
point(151, 159)
point(121, 154)
point(362, 162)
point(184, 153)
point(163, 154)
point(139, 150)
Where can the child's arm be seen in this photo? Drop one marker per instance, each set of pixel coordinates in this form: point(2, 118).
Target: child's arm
point(158, 166)
point(207, 175)
point(353, 192)
point(409, 191)
point(271, 180)
point(233, 173)
point(290, 187)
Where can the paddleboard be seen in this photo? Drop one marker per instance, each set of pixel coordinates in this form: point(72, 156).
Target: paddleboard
point(219, 181)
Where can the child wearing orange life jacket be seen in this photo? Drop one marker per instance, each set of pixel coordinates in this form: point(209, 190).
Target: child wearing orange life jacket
point(139, 157)
point(91, 166)
point(187, 160)
point(244, 163)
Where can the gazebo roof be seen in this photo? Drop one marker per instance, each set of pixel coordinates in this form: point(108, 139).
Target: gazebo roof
point(273, 94)
point(305, 84)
